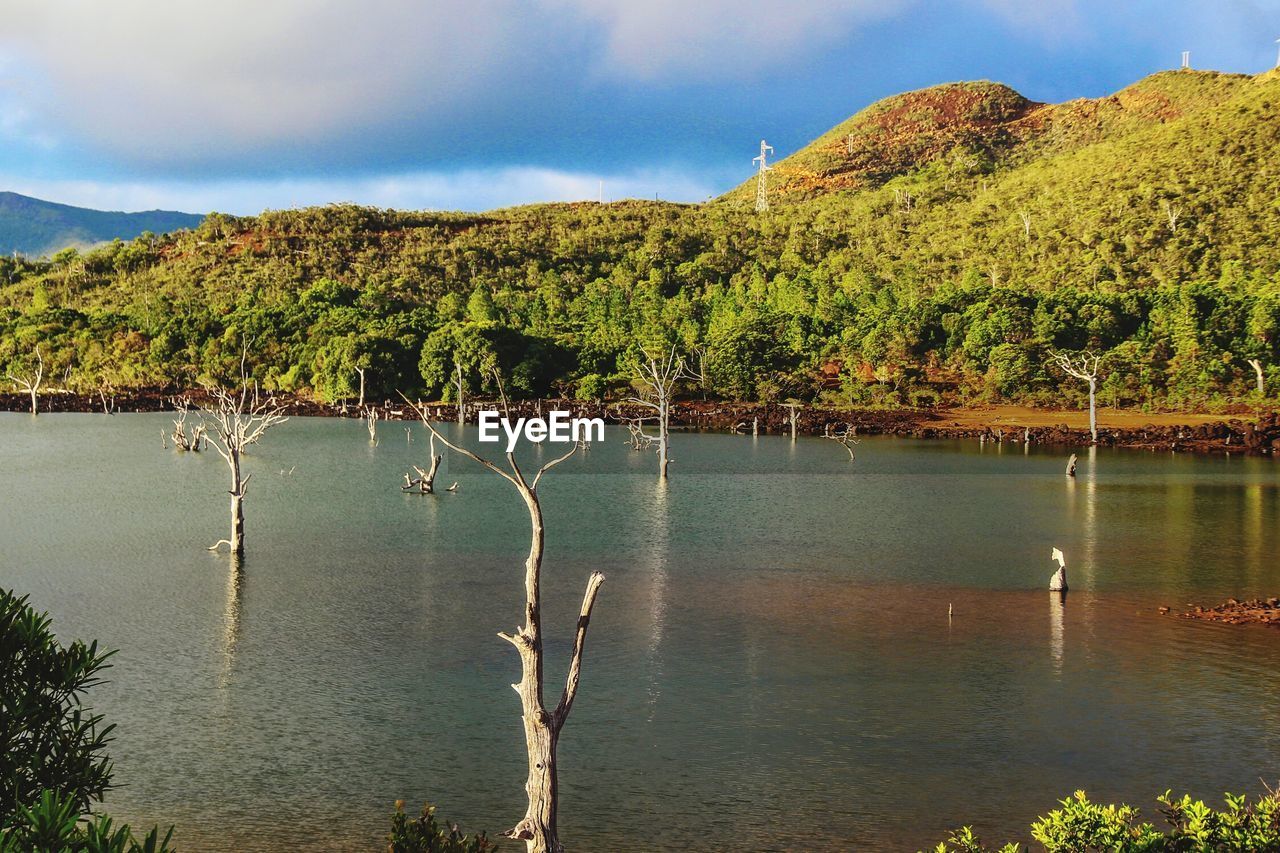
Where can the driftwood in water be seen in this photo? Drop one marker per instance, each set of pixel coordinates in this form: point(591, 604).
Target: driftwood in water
point(542, 725)
point(424, 483)
point(1071, 466)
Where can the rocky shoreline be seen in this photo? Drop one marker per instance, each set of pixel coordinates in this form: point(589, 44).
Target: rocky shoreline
point(1230, 435)
point(1255, 611)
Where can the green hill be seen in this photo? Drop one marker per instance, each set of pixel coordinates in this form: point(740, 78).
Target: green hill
point(938, 244)
point(35, 228)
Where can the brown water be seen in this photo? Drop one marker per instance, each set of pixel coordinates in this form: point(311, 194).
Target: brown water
point(771, 666)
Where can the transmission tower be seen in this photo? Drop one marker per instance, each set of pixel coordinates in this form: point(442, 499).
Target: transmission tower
point(762, 189)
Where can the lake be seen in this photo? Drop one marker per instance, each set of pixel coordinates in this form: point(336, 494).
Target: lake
point(770, 665)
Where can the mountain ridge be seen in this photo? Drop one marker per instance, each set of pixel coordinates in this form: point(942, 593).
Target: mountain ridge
point(36, 227)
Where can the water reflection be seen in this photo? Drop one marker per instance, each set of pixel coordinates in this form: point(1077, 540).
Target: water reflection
point(655, 566)
point(1057, 606)
point(231, 618)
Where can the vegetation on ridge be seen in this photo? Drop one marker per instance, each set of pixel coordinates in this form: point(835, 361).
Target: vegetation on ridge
point(967, 241)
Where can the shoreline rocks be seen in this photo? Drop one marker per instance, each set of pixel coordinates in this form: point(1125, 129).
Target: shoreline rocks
point(1231, 435)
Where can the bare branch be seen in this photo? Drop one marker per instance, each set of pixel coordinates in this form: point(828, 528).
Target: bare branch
point(579, 641)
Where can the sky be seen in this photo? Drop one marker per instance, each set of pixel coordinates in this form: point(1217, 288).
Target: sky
point(243, 105)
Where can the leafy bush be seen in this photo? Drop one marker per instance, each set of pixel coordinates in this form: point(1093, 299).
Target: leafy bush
point(53, 761)
point(48, 739)
point(1081, 825)
point(54, 824)
point(425, 835)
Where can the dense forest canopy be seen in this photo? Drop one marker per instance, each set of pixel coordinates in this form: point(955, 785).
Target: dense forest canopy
point(938, 245)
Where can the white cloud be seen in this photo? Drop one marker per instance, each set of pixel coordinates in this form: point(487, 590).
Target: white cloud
point(718, 38)
point(182, 79)
point(184, 84)
point(468, 190)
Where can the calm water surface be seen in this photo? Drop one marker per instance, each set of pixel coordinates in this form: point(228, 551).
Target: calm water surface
point(770, 666)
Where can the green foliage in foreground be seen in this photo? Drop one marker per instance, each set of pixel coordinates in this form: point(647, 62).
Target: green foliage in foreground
point(425, 835)
point(1081, 825)
point(55, 825)
point(48, 739)
point(53, 762)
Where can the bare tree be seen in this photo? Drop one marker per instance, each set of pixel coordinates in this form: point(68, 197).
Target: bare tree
point(845, 437)
point(460, 385)
point(542, 726)
point(1172, 213)
point(181, 440)
point(30, 382)
point(371, 421)
point(658, 374)
point(234, 421)
point(1083, 366)
point(1256, 364)
point(793, 417)
point(360, 370)
point(424, 483)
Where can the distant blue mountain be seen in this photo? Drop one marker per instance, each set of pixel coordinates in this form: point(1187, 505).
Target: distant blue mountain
point(34, 227)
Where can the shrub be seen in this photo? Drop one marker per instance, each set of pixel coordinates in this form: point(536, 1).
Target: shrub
point(1081, 825)
point(48, 739)
point(53, 761)
point(425, 835)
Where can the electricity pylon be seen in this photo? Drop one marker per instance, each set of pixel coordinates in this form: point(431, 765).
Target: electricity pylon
point(762, 189)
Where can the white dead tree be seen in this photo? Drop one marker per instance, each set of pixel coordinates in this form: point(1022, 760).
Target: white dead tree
point(360, 370)
point(233, 421)
point(1085, 367)
point(30, 382)
point(542, 725)
point(424, 483)
point(658, 374)
point(181, 439)
point(845, 438)
point(371, 421)
point(793, 417)
point(1257, 370)
point(1172, 213)
point(460, 386)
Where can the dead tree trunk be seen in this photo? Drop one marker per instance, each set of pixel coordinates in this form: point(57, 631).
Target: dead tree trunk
point(459, 385)
point(793, 416)
point(237, 421)
point(1084, 366)
point(424, 483)
point(542, 726)
point(30, 383)
point(1257, 369)
point(360, 403)
point(657, 375)
point(1071, 466)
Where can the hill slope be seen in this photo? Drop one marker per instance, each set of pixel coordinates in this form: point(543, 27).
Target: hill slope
point(980, 126)
point(941, 242)
point(34, 227)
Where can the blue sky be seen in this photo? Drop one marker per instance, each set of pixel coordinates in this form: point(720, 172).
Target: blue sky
point(241, 105)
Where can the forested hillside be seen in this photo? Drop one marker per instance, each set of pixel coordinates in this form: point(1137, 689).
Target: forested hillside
point(937, 245)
